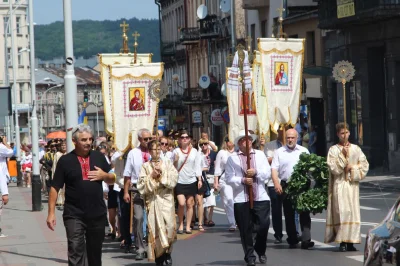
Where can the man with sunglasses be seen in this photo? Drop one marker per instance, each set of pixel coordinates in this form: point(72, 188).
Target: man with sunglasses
point(136, 157)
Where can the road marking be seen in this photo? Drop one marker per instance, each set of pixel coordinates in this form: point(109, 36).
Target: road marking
point(375, 195)
point(369, 208)
point(219, 209)
point(359, 258)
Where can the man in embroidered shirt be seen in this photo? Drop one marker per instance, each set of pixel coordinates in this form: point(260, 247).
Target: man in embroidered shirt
point(136, 157)
point(285, 158)
point(239, 177)
point(82, 172)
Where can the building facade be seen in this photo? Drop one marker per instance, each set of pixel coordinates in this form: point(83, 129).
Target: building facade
point(366, 35)
point(18, 27)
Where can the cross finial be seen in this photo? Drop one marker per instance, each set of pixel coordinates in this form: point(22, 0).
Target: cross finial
point(124, 26)
point(280, 11)
point(136, 35)
point(248, 42)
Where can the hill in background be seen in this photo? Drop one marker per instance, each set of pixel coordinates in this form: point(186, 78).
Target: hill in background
point(93, 37)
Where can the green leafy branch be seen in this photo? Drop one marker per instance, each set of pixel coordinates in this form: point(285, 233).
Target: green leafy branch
point(310, 168)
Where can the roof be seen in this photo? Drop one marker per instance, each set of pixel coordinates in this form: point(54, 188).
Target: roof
point(55, 75)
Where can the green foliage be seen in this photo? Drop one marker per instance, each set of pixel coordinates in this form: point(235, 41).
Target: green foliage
point(93, 37)
point(310, 167)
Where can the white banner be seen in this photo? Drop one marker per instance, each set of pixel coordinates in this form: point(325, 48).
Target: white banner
point(133, 108)
point(282, 68)
point(236, 103)
point(107, 60)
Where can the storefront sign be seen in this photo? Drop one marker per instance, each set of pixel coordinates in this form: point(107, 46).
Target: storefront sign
point(225, 114)
point(216, 118)
point(345, 8)
point(197, 117)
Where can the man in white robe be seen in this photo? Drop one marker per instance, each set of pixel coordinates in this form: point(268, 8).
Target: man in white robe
point(347, 166)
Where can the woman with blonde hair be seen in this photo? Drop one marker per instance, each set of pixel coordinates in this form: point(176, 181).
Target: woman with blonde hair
point(157, 180)
point(225, 190)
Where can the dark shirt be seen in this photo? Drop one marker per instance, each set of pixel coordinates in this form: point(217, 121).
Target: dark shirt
point(83, 198)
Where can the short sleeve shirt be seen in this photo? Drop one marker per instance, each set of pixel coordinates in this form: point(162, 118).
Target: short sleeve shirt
point(83, 198)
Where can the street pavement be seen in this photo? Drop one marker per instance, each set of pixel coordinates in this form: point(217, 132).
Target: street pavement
point(30, 242)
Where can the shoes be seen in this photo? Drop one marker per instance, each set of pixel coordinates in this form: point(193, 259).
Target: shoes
point(292, 246)
point(188, 232)
point(278, 240)
point(127, 249)
point(342, 248)
point(180, 232)
point(263, 259)
point(307, 244)
point(139, 256)
point(168, 259)
point(251, 263)
point(350, 247)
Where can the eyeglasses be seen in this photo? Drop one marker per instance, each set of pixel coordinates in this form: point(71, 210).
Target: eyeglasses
point(249, 138)
point(147, 139)
point(164, 143)
point(202, 144)
point(185, 137)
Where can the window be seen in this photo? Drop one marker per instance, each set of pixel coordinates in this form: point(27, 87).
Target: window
point(21, 94)
point(253, 37)
point(5, 22)
point(20, 63)
point(264, 31)
point(310, 39)
point(57, 119)
point(18, 25)
point(9, 57)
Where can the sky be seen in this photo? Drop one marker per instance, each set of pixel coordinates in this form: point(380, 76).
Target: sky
point(48, 11)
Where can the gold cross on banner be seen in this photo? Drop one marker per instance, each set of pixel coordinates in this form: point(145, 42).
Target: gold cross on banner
point(248, 43)
point(124, 26)
point(280, 11)
point(136, 35)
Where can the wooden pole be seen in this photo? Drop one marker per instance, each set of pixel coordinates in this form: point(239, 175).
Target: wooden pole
point(244, 105)
point(132, 213)
point(344, 104)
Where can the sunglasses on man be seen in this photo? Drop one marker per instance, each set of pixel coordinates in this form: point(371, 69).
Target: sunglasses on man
point(147, 139)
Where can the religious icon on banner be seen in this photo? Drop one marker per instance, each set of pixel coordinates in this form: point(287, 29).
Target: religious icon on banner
point(249, 103)
point(137, 99)
point(281, 74)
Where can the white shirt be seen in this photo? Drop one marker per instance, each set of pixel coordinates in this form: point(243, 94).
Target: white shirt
point(167, 155)
point(192, 168)
point(285, 159)
point(220, 162)
point(234, 176)
point(134, 164)
point(119, 164)
point(4, 154)
point(269, 151)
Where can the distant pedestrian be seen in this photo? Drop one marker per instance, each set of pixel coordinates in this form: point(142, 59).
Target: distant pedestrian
point(82, 172)
point(239, 177)
point(312, 144)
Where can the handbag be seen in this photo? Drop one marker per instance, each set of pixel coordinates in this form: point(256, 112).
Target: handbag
point(207, 191)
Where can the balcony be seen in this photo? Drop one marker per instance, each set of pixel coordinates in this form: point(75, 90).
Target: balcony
point(209, 27)
point(365, 11)
point(168, 49)
point(255, 4)
point(189, 36)
point(172, 102)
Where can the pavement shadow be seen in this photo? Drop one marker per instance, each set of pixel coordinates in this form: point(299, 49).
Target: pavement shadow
point(223, 262)
point(36, 257)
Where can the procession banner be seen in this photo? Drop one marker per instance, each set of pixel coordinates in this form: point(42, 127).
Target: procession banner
point(282, 68)
point(236, 103)
point(134, 107)
point(261, 95)
point(107, 60)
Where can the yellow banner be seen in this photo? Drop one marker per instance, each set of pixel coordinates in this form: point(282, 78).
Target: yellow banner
point(345, 10)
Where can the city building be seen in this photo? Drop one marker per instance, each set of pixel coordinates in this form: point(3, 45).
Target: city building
point(19, 26)
point(365, 32)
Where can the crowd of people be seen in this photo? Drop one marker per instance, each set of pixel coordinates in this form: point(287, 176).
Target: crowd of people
point(146, 187)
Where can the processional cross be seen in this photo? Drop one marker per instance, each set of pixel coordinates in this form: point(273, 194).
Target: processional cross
point(125, 46)
point(135, 45)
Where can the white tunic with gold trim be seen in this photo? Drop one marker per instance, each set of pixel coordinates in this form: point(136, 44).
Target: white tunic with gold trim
point(343, 213)
point(160, 207)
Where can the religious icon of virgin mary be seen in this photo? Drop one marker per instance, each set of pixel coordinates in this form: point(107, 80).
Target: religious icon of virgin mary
point(137, 102)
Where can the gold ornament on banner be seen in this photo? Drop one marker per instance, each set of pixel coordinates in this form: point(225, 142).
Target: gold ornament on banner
point(158, 90)
point(343, 72)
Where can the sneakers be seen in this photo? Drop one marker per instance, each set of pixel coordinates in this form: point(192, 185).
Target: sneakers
point(278, 240)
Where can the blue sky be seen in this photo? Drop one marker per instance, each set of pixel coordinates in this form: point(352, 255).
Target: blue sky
point(48, 11)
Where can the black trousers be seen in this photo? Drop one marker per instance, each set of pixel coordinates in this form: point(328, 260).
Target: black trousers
point(276, 211)
point(125, 220)
point(289, 212)
point(245, 219)
point(85, 240)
